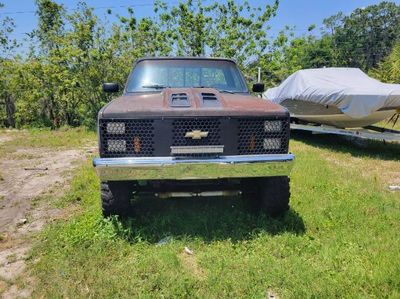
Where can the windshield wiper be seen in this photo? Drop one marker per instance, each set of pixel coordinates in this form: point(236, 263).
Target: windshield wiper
point(227, 91)
point(155, 86)
point(220, 90)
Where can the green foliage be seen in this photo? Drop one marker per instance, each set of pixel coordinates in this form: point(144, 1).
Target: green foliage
point(287, 56)
point(389, 69)
point(362, 39)
point(7, 26)
point(239, 31)
point(59, 82)
point(221, 29)
point(7, 70)
point(367, 35)
point(50, 24)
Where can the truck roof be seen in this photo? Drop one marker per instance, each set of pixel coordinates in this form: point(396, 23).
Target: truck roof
point(186, 58)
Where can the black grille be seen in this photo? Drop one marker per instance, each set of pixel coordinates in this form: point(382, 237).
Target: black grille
point(181, 127)
point(138, 138)
point(255, 138)
point(154, 137)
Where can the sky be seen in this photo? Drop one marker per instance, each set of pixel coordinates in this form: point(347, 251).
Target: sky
point(296, 13)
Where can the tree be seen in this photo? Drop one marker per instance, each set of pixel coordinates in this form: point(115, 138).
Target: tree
point(389, 69)
point(50, 24)
point(240, 31)
point(7, 45)
point(288, 54)
point(361, 39)
point(367, 35)
point(192, 27)
point(223, 29)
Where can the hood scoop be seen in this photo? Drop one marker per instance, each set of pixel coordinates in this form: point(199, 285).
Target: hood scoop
point(179, 100)
point(209, 99)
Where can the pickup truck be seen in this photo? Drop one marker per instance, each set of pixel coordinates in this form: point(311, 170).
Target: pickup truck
point(190, 127)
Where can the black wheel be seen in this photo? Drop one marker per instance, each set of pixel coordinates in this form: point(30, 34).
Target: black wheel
point(274, 194)
point(115, 198)
point(268, 195)
point(251, 193)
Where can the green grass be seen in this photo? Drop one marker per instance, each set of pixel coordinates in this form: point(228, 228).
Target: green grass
point(341, 237)
point(46, 138)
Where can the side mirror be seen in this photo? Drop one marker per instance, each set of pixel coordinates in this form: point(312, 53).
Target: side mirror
point(110, 87)
point(258, 87)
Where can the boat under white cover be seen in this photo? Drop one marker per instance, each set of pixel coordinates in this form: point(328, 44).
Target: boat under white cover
point(341, 97)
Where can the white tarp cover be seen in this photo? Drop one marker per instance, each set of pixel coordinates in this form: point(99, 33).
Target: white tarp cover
point(349, 89)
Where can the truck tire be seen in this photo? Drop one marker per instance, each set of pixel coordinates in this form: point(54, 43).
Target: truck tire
point(115, 199)
point(274, 194)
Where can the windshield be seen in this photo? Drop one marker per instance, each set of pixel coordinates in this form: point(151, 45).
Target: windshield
point(153, 75)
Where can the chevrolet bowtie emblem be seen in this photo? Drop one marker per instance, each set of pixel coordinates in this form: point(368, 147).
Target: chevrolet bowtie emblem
point(196, 134)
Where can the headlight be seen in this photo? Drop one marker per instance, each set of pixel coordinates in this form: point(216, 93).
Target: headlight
point(273, 126)
point(272, 143)
point(116, 145)
point(115, 128)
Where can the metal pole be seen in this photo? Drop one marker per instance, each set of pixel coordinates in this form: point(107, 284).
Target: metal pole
point(259, 75)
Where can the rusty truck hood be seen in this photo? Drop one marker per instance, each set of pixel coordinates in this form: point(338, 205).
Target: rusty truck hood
point(189, 102)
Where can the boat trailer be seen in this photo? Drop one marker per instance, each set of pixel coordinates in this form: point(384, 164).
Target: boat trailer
point(369, 132)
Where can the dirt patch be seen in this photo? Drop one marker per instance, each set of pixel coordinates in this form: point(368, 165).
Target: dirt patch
point(26, 176)
point(191, 266)
point(271, 294)
point(23, 180)
point(4, 139)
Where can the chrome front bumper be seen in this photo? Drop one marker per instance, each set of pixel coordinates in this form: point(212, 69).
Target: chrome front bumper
point(170, 168)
